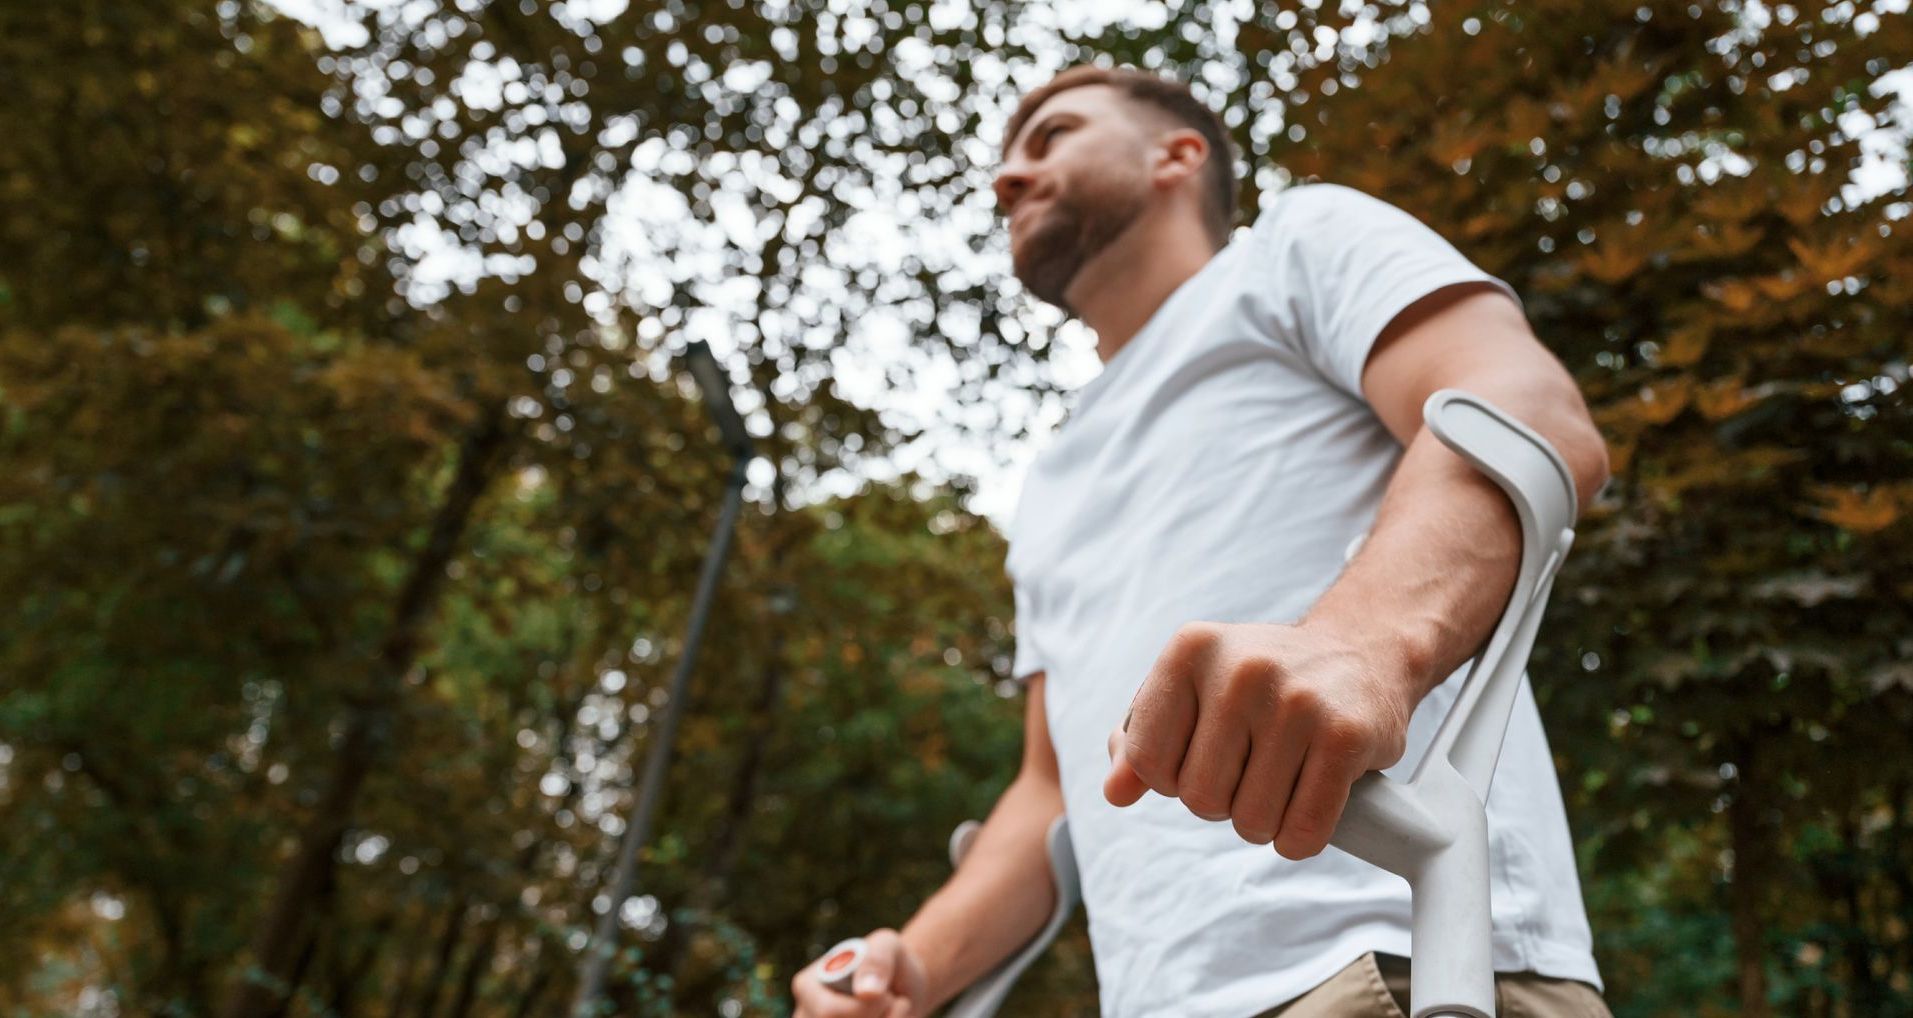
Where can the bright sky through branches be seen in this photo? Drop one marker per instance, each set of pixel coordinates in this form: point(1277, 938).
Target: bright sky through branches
point(654, 247)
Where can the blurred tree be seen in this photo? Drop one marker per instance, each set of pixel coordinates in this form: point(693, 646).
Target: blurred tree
point(370, 543)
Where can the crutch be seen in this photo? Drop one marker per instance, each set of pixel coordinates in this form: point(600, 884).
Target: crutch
point(1432, 829)
point(984, 996)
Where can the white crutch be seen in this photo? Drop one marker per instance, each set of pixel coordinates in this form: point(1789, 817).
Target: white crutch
point(981, 1000)
point(1432, 829)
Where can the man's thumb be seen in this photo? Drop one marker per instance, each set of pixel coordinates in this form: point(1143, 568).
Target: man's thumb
point(1123, 786)
point(879, 965)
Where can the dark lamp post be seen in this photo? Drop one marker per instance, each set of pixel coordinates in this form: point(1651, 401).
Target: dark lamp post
point(716, 388)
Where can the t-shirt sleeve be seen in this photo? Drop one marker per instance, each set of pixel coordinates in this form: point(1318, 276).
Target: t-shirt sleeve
point(1352, 263)
point(1027, 661)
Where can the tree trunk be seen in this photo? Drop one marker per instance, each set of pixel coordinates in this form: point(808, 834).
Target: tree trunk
point(475, 966)
point(313, 942)
point(307, 951)
point(547, 966)
point(1898, 864)
point(401, 985)
point(1752, 872)
point(181, 974)
point(349, 975)
point(1869, 995)
point(442, 958)
point(524, 865)
point(275, 945)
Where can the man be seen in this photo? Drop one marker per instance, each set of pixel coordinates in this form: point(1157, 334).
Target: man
point(1185, 620)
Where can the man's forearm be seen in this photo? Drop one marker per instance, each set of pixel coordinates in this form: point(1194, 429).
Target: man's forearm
point(1440, 561)
point(997, 900)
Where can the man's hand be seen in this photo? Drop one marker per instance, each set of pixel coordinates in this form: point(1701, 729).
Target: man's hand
point(889, 984)
point(1265, 725)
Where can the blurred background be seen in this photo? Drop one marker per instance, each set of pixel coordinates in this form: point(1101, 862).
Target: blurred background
point(353, 492)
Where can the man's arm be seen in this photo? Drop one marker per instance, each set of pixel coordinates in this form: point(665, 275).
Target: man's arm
point(1002, 894)
point(1440, 560)
point(1269, 725)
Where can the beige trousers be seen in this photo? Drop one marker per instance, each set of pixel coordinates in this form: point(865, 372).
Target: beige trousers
point(1376, 986)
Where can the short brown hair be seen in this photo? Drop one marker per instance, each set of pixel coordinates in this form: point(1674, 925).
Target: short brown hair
point(1170, 96)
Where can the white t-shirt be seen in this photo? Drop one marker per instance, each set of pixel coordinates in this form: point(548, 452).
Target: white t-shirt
point(1216, 470)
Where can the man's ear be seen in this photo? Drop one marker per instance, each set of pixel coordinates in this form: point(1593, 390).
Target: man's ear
point(1180, 155)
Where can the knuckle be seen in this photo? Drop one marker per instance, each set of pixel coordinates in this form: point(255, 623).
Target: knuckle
point(1297, 848)
point(1204, 801)
point(1307, 822)
point(1253, 669)
point(1251, 682)
point(1151, 764)
point(1253, 831)
point(1196, 638)
point(1303, 702)
point(1305, 830)
point(1392, 748)
point(1344, 734)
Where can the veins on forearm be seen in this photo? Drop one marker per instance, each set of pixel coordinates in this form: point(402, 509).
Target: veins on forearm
point(1435, 571)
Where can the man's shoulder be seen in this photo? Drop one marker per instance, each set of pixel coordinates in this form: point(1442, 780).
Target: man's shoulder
point(1352, 236)
point(1317, 203)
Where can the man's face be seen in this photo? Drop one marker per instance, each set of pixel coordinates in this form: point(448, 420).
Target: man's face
point(1075, 177)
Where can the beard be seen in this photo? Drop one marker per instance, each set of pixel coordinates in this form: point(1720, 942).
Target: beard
point(1065, 236)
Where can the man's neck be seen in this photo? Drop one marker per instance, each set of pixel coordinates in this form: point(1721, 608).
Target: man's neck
point(1118, 291)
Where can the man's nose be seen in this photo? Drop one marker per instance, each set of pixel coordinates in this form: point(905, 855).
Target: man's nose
point(1012, 183)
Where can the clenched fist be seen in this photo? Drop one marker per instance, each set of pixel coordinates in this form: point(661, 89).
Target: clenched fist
point(889, 983)
point(1264, 725)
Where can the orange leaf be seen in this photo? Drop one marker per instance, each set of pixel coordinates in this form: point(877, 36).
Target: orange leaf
point(1725, 240)
point(1729, 204)
point(1784, 285)
point(1663, 401)
point(1619, 455)
point(1712, 470)
point(1724, 398)
point(1863, 512)
point(1611, 263)
point(1837, 259)
point(1801, 200)
point(1687, 345)
point(1736, 295)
